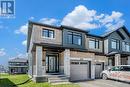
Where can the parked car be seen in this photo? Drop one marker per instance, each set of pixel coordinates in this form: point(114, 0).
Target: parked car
point(121, 73)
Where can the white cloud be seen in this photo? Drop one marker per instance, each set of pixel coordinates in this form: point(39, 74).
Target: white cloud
point(22, 30)
point(82, 17)
point(113, 21)
point(51, 21)
point(2, 52)
point(115, 16)
point(24, 43)
point(98, 17)
point(87, 26)
point(20, 55)
point(117, 25)
point(31, 18)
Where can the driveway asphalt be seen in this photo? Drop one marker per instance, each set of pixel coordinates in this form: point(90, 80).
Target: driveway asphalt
point(103, 83)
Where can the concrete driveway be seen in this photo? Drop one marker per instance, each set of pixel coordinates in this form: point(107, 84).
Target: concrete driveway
point(103, 83)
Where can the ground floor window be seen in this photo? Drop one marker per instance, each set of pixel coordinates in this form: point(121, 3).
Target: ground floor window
point(124, 61)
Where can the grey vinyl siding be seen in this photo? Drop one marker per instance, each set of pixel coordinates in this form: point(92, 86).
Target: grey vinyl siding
point(115, 35)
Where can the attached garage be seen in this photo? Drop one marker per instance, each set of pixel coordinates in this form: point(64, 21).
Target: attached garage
point(79, 70)
point(99, 67)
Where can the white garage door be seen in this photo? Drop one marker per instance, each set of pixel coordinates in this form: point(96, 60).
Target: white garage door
point(79, 70)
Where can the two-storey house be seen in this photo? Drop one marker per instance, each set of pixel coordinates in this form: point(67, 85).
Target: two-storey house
point(18, 66)
point(74, 52)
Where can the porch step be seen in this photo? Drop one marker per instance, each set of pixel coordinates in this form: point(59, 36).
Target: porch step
point(58, 79)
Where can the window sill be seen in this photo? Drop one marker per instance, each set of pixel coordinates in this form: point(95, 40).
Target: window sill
point(48, 38)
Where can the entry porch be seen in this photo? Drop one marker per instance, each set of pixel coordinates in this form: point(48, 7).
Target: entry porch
point(119, 59)
point(48, 62)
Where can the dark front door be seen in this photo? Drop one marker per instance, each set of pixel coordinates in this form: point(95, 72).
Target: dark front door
point(52, 65)
point(111, 61)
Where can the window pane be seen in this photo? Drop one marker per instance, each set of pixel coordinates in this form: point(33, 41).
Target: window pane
point(127, 47)
point(92, 44)
point(77, 40)
point(114, 44)
point(97, 44)
point(74, 38)
point(123, 46)
point(69, 38)
point(118, 45)
point(45, 33)
point(51, 34)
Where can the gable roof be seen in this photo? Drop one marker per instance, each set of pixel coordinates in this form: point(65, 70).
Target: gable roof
point(115, 30)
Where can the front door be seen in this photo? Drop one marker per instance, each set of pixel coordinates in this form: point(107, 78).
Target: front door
point(52, 64)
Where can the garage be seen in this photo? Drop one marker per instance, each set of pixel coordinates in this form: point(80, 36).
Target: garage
point(99, 67)
point(79, 70)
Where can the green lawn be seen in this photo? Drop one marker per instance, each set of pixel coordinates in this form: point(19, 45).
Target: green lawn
point(10, 80)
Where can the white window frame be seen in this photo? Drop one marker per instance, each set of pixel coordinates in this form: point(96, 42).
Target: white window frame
point(125, 46)
point(47, 37)
point(96, 44)
point(115, 44)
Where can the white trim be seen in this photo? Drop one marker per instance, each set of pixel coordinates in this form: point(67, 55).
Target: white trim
point(89, 59)
point(73, 58)
point(47, 37)
point(99, 61)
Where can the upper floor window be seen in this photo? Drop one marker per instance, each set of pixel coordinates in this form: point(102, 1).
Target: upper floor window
point(125, 46)
point(114, 43)
point(94, 44)
point(48, 33)
point(74, 38)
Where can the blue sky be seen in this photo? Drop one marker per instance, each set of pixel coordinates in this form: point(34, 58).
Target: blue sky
point(96, 16)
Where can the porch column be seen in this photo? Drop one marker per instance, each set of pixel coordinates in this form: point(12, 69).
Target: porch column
point(38, 60)
point(67, 62)
point(117, 59)
point(92, 69)
point(30, 63)
point(128, 60)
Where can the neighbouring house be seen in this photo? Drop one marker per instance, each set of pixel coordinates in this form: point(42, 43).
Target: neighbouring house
point(3, 69)
point(18, 66)
point(73, 52)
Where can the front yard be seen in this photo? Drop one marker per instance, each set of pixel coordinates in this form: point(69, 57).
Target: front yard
point(11, 80)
